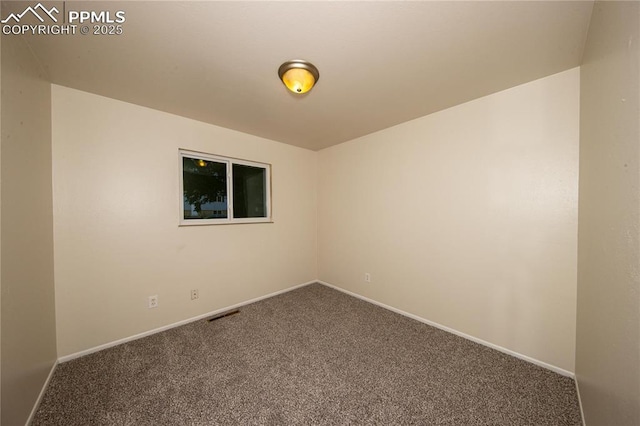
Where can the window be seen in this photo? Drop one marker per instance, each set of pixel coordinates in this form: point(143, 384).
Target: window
point(217, 190)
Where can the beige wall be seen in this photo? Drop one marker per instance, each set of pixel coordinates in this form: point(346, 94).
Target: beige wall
point(28, 316)
point(608, 326)
point(116, 208)
point(466, 217)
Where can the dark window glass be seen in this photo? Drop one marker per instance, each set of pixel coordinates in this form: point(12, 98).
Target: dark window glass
point(205, 189)
point(249, 191)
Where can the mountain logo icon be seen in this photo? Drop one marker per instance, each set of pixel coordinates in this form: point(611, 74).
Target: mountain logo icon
point(34, 11)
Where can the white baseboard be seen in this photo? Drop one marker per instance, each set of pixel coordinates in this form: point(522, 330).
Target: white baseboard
point(456, 332)
point(176, 324)
point(42, 391)
point(366, 299)
point(584, 423)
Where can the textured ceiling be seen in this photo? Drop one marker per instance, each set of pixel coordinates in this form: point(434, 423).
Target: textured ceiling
point(381, 63)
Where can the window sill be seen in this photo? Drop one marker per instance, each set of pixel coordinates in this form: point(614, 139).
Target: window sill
point(187, 224)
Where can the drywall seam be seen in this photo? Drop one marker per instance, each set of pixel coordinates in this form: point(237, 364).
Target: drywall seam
point(176, 324)
point(41, 395)
point(539, 363)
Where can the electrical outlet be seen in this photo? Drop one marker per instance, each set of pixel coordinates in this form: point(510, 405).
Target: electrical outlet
point(367, 277)
point(195, 294)
point(153, 301)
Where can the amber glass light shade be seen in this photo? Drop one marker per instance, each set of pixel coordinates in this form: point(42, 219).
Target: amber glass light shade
point(299, 76)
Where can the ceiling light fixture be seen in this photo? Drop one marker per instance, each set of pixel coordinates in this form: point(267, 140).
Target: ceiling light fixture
point(299, 76)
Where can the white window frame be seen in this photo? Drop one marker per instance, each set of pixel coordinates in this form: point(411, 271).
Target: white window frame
point(229, 161)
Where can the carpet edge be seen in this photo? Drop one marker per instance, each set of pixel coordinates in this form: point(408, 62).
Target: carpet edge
point(515, 354)
point(107, 345)
point(584, 423)
point(45, 385)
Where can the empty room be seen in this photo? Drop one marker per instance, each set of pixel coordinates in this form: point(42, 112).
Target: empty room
point(320, 212)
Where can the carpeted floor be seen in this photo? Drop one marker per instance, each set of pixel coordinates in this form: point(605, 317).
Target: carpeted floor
point(310, 356)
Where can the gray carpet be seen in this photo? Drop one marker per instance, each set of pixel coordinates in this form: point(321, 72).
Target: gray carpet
point(310, 356)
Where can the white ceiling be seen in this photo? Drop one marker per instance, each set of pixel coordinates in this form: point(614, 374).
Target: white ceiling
point(381, 63)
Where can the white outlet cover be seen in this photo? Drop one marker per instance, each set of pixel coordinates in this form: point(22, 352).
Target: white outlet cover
point(153, 302)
